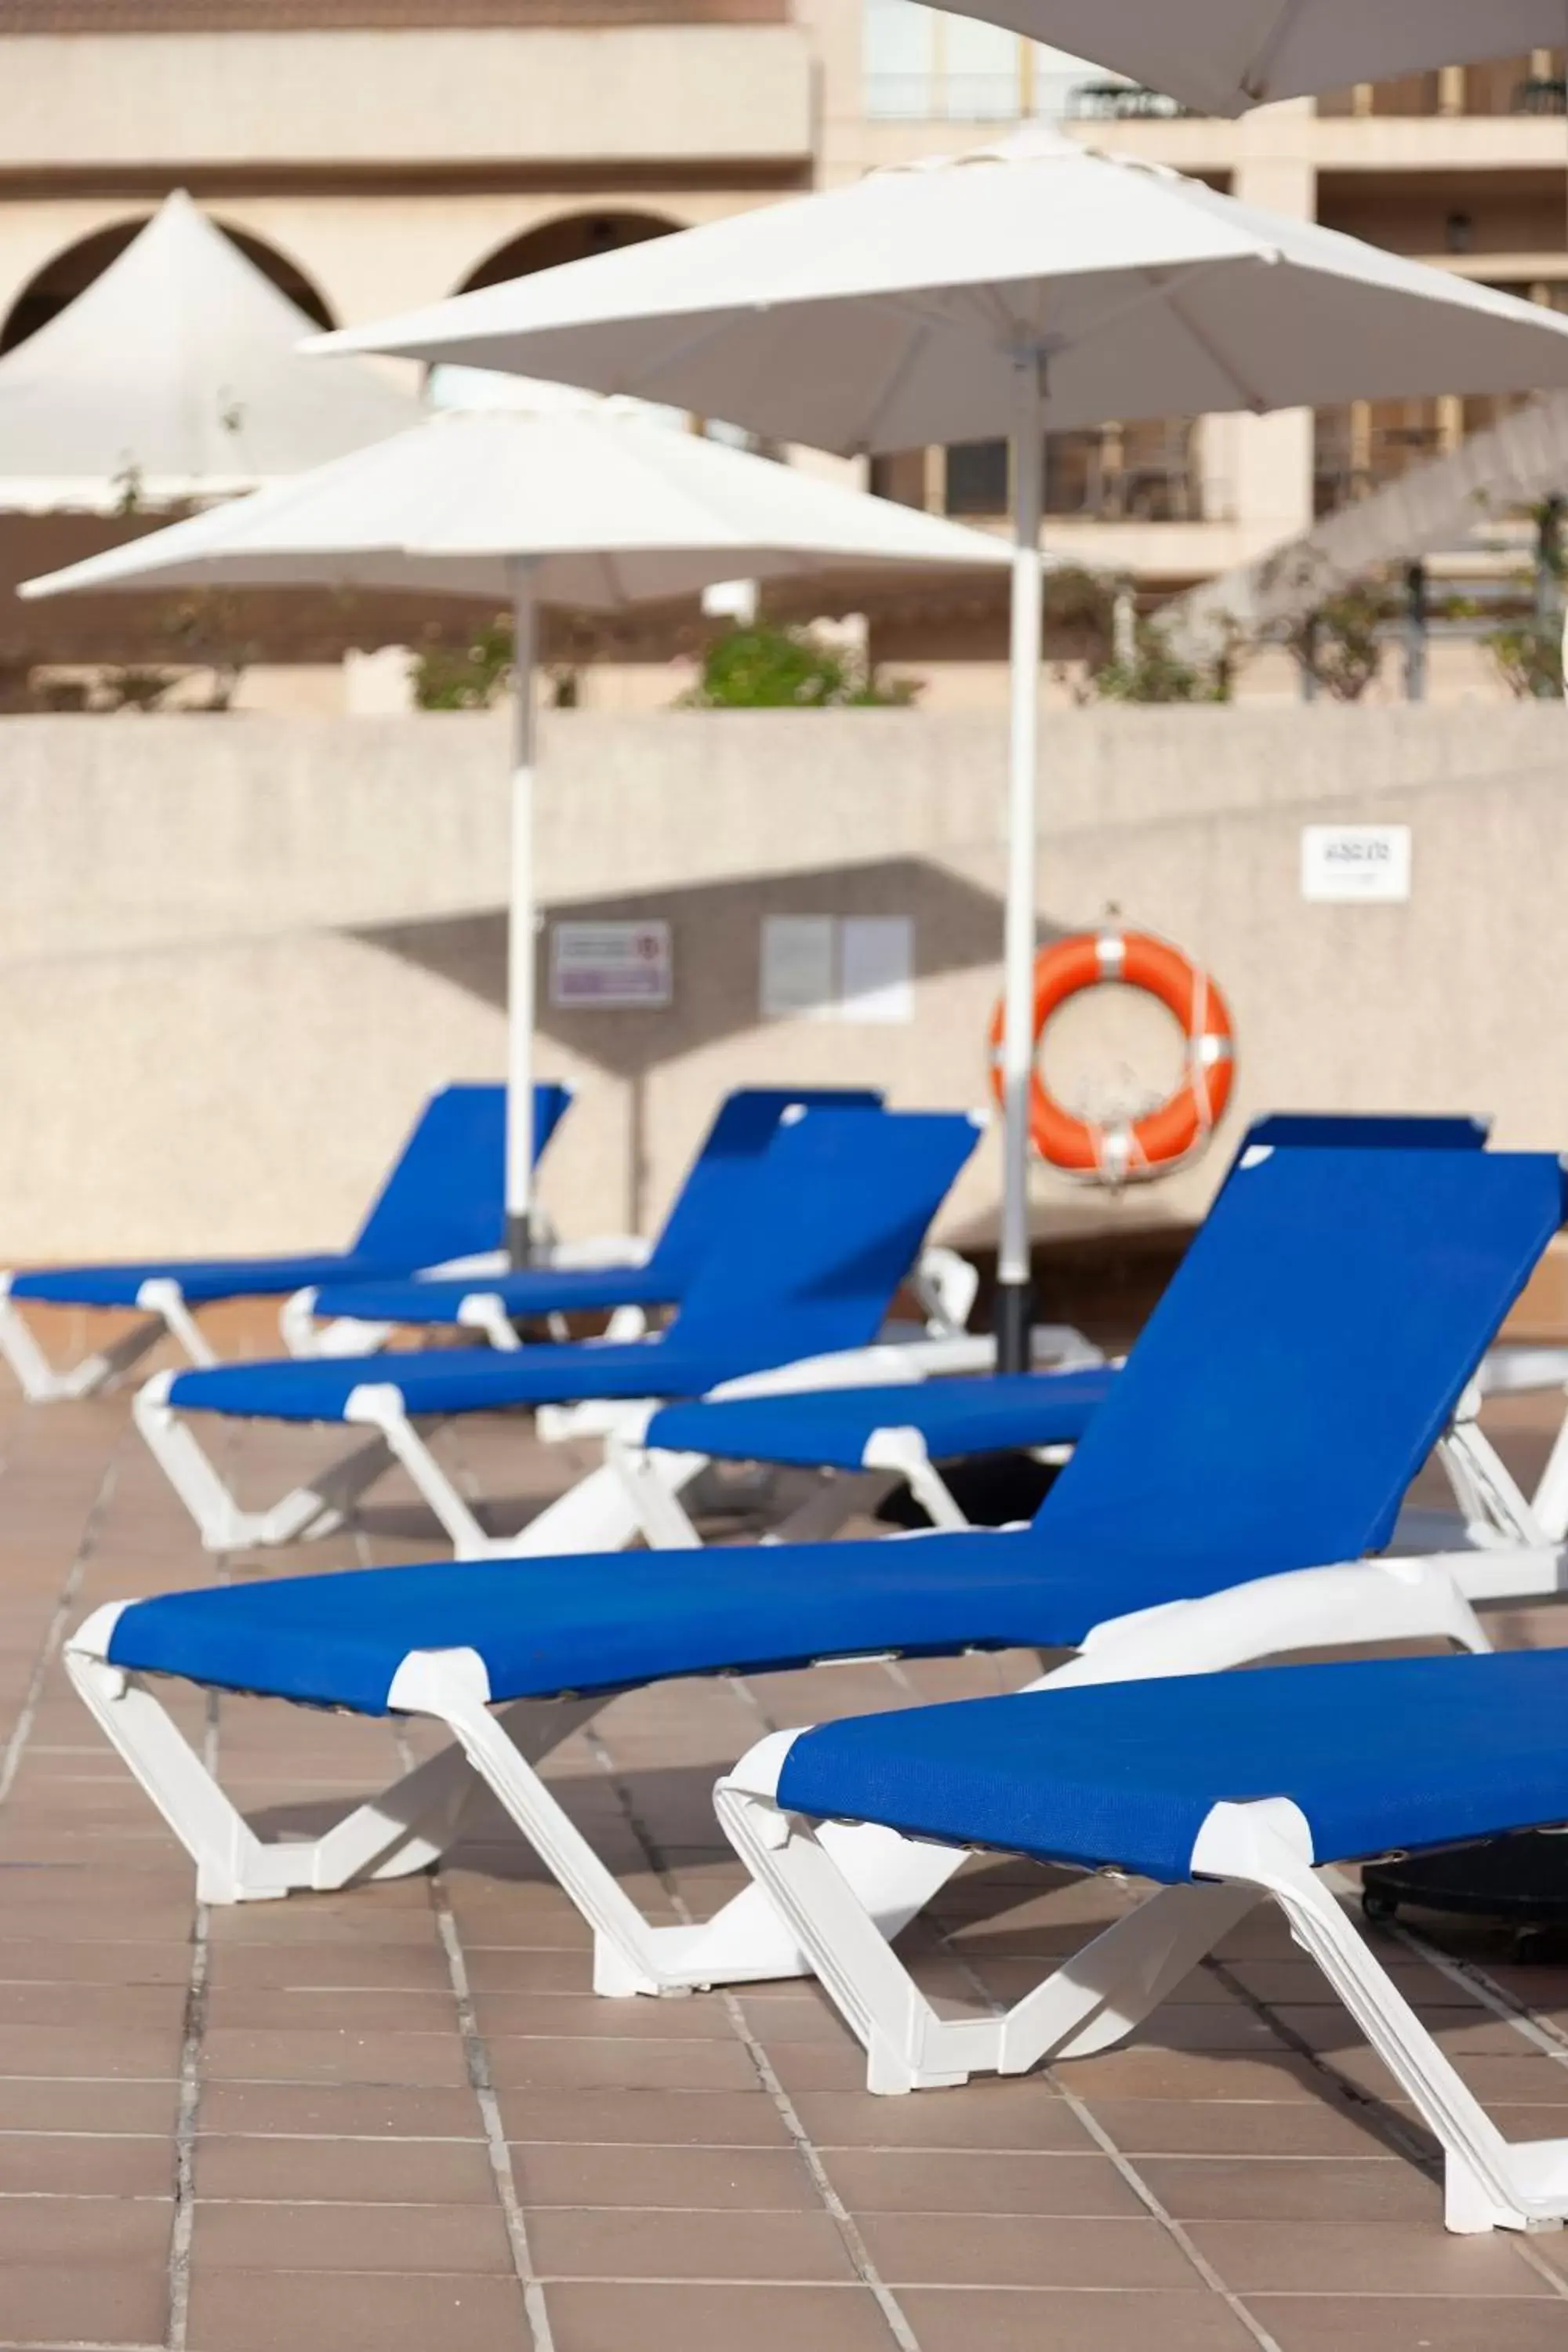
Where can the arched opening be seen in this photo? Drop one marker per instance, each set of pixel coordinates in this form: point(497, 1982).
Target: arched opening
point(573, 238)
point(70, 273)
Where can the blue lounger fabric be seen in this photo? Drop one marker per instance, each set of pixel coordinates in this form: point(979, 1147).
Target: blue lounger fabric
point(444, 1198)
point(1379, 1754)
point(831, 1428)
point(841, 1200)
point(1288, 1388)
point(598, 1623)
point(714, 1192)
point(440, 1299)
point(1369, 1130)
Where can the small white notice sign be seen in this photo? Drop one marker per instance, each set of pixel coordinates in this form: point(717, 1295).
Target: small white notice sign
point(610, 967)
point(876, 955)
point(798, 979)
point(1346, 863)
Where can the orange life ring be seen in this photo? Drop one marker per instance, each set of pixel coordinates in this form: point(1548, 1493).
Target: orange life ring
point(1149, 1146)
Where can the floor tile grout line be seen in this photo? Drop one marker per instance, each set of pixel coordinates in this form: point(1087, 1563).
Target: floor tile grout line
point(1147, 2196)
point(54, 1632)
point(476, 2054)
point(1550, 2040)
point(893, 2314)
point(1546, 2043)
point(1405, 2141)
point(188, 2113)
point(498, 2147)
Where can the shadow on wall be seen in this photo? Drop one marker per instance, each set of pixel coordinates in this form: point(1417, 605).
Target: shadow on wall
point(716, 940)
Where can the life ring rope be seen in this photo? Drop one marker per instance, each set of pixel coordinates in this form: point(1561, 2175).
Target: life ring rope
point(1125, 1151)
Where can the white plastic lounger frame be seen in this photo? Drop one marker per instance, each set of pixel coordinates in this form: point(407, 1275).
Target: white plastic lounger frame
point(598, 1514)
point(890, 1878)
point(345, 1335)
point(1242, 1852)
point(160, 1302)
point(944, 1286)
point(656, 1479)
point(1491, 1514)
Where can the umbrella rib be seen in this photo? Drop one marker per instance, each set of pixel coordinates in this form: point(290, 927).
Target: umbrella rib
point(893, 381)
point(1253, 79)
point(1250, 396)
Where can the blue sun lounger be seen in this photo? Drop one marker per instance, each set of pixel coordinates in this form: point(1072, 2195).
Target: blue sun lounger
point(443, 1200)
point(906, 1433)
point(803, 1265)
point(741, 1130)
point(1288, 1388)
point(1222, 1790)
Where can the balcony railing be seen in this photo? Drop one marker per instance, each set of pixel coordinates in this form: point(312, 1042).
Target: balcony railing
point(1149, 475)
point(1504, 85)
point(943, 95)
point(1134, 475)
point(1366, 446)
point(1120, 101)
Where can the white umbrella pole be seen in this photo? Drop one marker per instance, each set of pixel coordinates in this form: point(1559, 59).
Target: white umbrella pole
point(1014, 1287)
point(520, 945)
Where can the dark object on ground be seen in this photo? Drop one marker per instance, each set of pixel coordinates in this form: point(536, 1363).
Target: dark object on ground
point(991, 1493)
point(1520, 1881)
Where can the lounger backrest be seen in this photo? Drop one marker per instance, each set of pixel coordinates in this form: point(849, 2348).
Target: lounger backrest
point(717, 1183)
point(1305, 1359)
point(835, 1222)
point(1372, 1130)
point(445, 1196)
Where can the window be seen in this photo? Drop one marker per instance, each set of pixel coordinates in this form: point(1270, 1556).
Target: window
point(923, 65)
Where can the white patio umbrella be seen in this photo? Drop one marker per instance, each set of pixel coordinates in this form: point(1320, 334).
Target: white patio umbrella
point(580, 507)
point(176, 375)
point(933, 304)
point(1222, 56)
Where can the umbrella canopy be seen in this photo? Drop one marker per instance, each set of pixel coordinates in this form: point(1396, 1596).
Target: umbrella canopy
point(939, 303)
point(610, 511)
point(1221, 56)
point(177, 374)
point(581, 507)
point(894, 312)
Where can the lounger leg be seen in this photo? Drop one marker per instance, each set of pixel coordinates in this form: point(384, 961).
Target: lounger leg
point(405, 1830)
point(1092, 2001)
point(595, 1516)
point(219, 1520)
point(308, 1512)
point(903, 1452)
point(1551, 1499)
point(1490, 2183)
point(652, 1479)
point(629, 1954)
point(166, 1300)
point(381, 1409)
point(893, 1878)
point(40, 1383)
point(1493, 1508)
point(1242, 1852)
point(837, 1497)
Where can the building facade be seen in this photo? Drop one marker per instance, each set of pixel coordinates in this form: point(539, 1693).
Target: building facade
point(375, 154)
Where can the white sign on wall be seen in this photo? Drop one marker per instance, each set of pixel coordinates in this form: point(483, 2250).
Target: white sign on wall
point(799, 978)
point(877, 968)
point(816, 968)
point(1346, 863)
point(610, 967)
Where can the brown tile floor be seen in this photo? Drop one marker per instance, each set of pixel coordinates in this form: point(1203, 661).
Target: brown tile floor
point(397, 2119)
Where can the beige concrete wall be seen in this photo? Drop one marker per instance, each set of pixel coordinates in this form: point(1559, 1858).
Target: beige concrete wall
point(205, 100)
point(235, 952)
